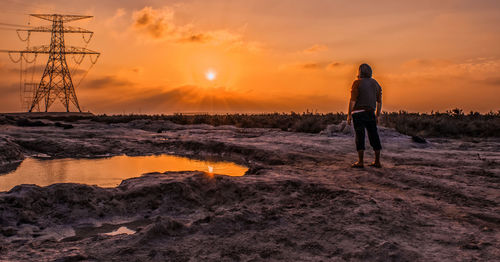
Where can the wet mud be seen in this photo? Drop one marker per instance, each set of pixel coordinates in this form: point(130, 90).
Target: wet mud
point(300, 200)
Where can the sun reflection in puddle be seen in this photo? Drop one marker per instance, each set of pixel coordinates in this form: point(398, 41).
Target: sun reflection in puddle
point(121, 230)
point(107, 172)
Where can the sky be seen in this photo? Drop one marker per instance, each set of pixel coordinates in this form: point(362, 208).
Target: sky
point(257, 56)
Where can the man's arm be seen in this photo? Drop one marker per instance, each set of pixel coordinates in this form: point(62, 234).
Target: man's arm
point(352, 100)
point(349, 113)
point(379, 108)
point(379, 102)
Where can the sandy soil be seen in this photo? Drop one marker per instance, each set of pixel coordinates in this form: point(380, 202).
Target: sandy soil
point(300, 200)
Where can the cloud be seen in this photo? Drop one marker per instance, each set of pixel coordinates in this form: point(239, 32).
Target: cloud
point(311, 66)
point(10, 69)
point(197, 38)
point(119, 13)
point(316, 49)
point(477, 68)
point(159, 24)
point(494, 81)
point(192, 98)
point(9, 100)
point(13, 69)
point(32, 74)
point(106, 82)
point(137, 70)
point(436, 84)
point(426, 63)
point(156, 23)
point(318, 65)
point(186, 98)
point(335, 65)
point(10, 89)
point(219, 37)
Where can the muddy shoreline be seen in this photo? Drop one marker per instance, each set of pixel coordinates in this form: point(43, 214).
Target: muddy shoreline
point(299, 200)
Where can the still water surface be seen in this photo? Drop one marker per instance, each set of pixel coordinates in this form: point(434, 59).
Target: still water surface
point(107, 172)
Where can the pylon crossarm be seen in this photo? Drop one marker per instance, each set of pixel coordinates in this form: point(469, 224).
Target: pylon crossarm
point(71, 29)
point(48, 29)
point(43, 49)
point(63, 18)
point(70, 50)
point(35, 29)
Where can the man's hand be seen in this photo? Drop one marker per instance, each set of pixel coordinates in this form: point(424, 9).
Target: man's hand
point(349, 119)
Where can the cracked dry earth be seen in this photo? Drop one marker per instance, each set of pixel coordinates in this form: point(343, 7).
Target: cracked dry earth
point(299, 200)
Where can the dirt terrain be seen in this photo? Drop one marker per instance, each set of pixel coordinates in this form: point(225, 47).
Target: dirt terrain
point(299, 201)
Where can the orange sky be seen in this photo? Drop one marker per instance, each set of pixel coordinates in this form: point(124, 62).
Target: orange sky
point(272, 56)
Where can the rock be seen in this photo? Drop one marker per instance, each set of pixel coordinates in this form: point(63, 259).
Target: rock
point(342, 128)
point(27, 122)
point(158, 126)
point(4, 120)
point(161, 228)
point(71, 258)
point(65, 126)
point(9, 153)
point(8, 231)
point(418, 139)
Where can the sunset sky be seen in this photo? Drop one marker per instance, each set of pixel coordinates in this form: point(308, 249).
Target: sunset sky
point(221, 56)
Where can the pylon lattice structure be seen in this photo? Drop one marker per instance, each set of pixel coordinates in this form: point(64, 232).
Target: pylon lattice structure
point(56, 81)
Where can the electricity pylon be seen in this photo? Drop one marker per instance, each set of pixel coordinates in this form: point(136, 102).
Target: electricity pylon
point(56, 81)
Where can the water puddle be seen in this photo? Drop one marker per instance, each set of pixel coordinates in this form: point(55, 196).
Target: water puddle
point(107, 172)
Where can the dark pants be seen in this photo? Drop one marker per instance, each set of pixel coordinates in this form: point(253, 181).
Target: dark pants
point(366, 120)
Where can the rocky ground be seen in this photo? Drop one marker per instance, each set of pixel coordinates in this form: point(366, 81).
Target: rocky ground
point(300, 200)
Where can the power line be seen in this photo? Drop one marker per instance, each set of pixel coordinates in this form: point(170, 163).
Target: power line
point(14, 25)
point(8, 29)
point(27, 7)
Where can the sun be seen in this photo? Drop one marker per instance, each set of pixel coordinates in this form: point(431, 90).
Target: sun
point(211, 75)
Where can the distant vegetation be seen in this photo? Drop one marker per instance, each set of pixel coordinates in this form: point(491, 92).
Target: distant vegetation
point(305, 122)
point(453, 123)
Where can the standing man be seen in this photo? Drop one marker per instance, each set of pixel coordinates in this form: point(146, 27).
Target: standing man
point(364, 109)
